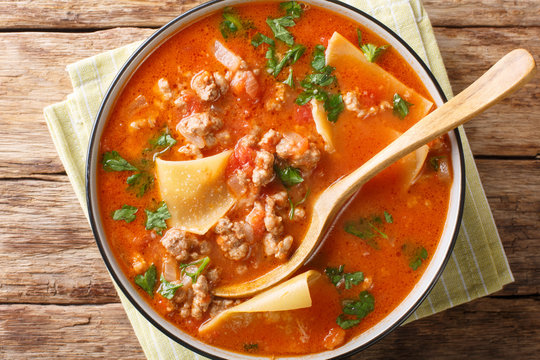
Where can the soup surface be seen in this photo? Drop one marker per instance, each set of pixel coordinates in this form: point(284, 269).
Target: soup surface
point(221, 142)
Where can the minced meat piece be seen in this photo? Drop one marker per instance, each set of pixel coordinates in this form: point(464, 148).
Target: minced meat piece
point(233, 238)
point(200, 128)
point(269, 140)
point(204, 84)
point(277, 97)
point(179, 243)
point(303, 157)
point(164, 89)
point(201, 298)
point(263, 172)
point(273, 246)
point(272, 221)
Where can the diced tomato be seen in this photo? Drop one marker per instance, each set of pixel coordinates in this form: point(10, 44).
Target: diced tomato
point(193, 104)
point(367, 99)
point(243, 157)
point(303, 114)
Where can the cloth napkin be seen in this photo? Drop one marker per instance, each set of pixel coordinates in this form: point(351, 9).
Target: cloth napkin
point(478, 265)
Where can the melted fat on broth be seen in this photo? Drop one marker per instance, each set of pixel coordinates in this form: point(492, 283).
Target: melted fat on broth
point(183, 104)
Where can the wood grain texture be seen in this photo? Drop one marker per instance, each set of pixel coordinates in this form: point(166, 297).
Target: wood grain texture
point(50, 255)
point(96, 332)
point(32, 72)
point(64, 14)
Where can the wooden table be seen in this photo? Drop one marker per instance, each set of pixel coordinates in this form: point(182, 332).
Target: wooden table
point(56, 299)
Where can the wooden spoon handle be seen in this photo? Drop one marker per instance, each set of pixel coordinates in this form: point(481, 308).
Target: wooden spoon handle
point(506, 76)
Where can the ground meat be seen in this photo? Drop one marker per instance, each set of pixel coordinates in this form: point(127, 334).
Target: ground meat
point(273, 246)
point(179, 243)
point(233, 238)
point(219, 305)
point(299, 214)
point(269, 140)
point(304, 157)
point(190, 150)
point(277, 97)
point(281, 199)
point(350, 99)
point(272, 221)
point(200, 128)
point(204, 84)
point(221, 82)
point(201, 298)
point(263, 172)
point(164, 89)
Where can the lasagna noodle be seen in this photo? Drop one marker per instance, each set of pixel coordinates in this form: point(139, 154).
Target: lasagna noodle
point(195, 191)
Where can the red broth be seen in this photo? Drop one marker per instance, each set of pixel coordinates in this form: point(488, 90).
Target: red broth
point(399, 223)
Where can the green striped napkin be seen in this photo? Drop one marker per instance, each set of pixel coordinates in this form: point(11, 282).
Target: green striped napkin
point(478, 265)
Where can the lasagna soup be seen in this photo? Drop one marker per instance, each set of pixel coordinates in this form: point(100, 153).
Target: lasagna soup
point(216, 151)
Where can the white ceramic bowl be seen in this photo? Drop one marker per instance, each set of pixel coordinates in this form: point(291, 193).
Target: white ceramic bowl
point(392, 320)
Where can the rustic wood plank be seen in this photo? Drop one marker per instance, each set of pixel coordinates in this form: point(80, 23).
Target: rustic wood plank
point(49, 254)
point(64, 14)
point(32, 72)
point(511, 127)
point(91, 332)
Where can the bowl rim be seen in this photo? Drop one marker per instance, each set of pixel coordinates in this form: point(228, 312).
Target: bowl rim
point(94, 141)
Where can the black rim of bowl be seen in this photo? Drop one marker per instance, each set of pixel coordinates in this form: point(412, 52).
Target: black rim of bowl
point(94, 141)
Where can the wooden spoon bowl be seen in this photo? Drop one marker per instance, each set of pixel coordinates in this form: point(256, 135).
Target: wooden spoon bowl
point(506, 76)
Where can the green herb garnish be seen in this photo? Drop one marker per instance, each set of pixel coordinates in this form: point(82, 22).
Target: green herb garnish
point(359, 35)
point(359, 308)
point(140, 182)
point(203, 263)
point(126, 213)
point(334, 106)
point(148, 280)
point(112, 161)
point(290, 80)
point(372, 52)
point(231, 23)
point(337, 276)
point(260, 39)
point(292, 8)
point(417, 257)
point(290, 57)
point(319, 61)
point(294, 205)
point(167, 289)
point(368, 229)
point(289, 176)
point(278, 27)
point(156, 220)
point(345, 323)
point(401, 107)
point(388, 218)
point(435, 162)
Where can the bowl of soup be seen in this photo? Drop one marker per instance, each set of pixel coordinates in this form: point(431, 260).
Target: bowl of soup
point(209, 151)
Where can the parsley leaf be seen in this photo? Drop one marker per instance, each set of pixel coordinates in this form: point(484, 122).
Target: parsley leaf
point(361, 307)
point(140, 183)
point(290, 80)
point(359, 34)
point(418, 257)
point(334, 106)
point(372, 52)
point(401, 107)
point(278, 27)
point(156, 220)
point(231, 23)
point(260, 39)
point(112, 161)
point(338, 277)
point(148, 280)
point(435, 162)
point(293, 205)
point(167, 289)
point(307, 95)
point(345, 323)
point(290, 57)
point(251, 347)
point(292, 8)
point(388, 217)
point(126, 213)
point(289, 176)
point(203, 263)
point(319, 61)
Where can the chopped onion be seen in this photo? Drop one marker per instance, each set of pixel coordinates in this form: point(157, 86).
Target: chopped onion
point(229, 59)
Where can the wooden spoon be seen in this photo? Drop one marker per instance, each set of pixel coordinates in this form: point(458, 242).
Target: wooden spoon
point(506, 76)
